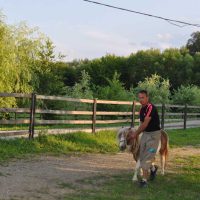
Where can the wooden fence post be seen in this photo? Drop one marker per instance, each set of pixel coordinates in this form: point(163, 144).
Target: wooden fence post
point(15, 118)
point(94, 116)
point(133, 115)
point(185, 117)
point(163, 117)
point(32, 116)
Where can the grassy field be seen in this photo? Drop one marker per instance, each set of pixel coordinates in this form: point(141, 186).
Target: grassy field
point(182, 181)
point(180, 138)
point(181, 184)
point(101, 142)
point(60, 126)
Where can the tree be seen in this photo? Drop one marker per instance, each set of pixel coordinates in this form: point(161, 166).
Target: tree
point(114, 90)
point(187, 95)
point(27, 63)
point(157, 87)
point(193, 44)
point(82, 89)
point(46, 79)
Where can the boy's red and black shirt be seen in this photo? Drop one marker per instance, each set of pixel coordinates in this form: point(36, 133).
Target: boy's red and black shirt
point(150, 111)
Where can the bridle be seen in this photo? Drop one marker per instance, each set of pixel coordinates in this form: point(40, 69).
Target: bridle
point(124, 139)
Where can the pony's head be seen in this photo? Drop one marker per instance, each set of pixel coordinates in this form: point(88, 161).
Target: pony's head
point(123, 137)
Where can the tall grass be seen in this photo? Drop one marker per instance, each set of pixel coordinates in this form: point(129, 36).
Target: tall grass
point(101, 142)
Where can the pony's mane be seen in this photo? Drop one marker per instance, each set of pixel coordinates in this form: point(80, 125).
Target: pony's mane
point(123, 130)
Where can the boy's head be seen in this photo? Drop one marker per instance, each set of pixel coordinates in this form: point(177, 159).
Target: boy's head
point(143, 97)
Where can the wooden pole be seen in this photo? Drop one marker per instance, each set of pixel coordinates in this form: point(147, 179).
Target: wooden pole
point(94, 116)
point(32, 116)
point(15, 115)
point(133, 115)
point(163, 117)
point(185, 117)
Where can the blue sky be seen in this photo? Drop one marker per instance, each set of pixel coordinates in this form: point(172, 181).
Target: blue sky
point(83, 30)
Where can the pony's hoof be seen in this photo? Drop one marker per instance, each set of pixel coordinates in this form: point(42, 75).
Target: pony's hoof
point(134, 179)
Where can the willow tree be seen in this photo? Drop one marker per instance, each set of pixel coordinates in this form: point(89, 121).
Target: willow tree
point(26, 61)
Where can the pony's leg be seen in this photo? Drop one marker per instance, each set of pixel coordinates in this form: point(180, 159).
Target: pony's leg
point(153, 165)
point(163, 159)
point(135, 178)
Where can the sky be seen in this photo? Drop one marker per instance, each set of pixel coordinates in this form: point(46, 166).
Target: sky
point(82, 30)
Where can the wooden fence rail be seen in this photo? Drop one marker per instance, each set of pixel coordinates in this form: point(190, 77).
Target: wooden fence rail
point(32, 111)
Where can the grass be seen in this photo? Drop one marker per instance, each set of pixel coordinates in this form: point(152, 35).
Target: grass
point(188, 137)
point(182, 184)
point(60, 126)
point(101, 142)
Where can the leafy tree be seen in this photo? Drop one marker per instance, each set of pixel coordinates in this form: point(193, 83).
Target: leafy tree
point(46, 79)
point(193, 44)
point(81, 89)
point(187, 95)
point(157, 87)
point(27, 63)
point(115, 90)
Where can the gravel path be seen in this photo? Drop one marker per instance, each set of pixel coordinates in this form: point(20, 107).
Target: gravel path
point(43, 177)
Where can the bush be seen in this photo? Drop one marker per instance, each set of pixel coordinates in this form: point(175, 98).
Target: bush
point(157, 87)
point(187, 95)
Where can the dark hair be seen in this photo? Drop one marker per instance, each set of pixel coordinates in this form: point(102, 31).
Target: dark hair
point(143, 92)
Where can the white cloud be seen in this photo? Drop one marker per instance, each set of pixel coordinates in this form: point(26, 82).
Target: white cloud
point(164, 37)
point(97, 35)
point(87, 42)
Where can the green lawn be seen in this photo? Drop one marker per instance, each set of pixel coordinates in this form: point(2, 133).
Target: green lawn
point(188, 137)
point(101, 142)
point(181, 184)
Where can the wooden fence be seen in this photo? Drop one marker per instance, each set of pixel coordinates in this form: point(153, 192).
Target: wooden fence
point(164, 111)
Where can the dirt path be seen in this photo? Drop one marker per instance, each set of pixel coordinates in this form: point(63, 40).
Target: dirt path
point(44, 177)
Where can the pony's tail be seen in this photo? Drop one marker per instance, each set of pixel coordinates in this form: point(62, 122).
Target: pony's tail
point(166, 152)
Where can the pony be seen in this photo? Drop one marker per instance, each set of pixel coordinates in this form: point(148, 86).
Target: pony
point(133, 146)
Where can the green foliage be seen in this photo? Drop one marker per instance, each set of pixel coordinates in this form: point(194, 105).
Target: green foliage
point(102, 142)
point(26, 63)
point(176, 65)
point(81, 89)
point(115, 90)
point(157, 87)
point(193, 44)
point(46, 80)
point(187, 95)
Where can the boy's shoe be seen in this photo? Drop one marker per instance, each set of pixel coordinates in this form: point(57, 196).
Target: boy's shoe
point(143, 184)
point(153, 173)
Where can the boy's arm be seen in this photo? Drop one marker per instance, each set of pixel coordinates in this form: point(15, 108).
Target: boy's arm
point(142, 127)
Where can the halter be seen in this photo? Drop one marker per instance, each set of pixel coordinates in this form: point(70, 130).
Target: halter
point(122, 140)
